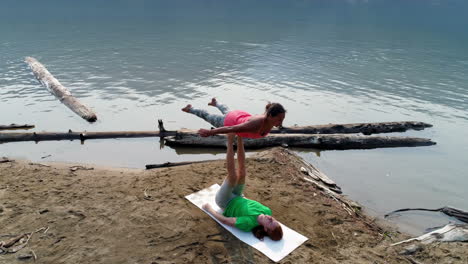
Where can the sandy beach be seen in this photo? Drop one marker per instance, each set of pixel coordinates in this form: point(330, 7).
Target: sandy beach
point(82, 213)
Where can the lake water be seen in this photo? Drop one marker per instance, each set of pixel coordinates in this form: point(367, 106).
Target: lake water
point(329, 61)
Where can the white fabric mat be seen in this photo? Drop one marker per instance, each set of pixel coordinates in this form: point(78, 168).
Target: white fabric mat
point(275, 250)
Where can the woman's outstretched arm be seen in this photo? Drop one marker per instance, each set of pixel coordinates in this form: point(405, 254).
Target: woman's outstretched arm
point(253, 125)
point(230, 221)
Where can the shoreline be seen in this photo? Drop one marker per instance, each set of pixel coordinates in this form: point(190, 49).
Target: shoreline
point(103, 214)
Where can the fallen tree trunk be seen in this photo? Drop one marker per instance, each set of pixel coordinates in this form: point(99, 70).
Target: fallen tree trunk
point(15, 126)
point(174, 164)
point(364, 128)
point(56, 88)
point(449, 233)
point(191, 139)
point(320, 129)
point(47, 136)
point(326, 141)
point(450, 211)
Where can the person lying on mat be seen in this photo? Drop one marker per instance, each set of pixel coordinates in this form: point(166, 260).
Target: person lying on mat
point(239, 122)
point(245, 214)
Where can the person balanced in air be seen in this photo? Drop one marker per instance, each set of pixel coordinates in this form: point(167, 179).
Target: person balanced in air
point(240, 212)
point(240, 122)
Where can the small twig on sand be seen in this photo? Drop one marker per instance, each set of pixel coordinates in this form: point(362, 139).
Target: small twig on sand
point(39, 164)
point(22, 244)
point(12, 241)
point(40, 229)
point(147, 196)
point(34, 255)
point(75, 168)
point(8, 246)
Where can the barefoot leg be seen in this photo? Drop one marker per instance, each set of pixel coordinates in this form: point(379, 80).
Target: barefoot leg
point(213, 102)
point(187, 108)
point(213, 119)
point(223, 108)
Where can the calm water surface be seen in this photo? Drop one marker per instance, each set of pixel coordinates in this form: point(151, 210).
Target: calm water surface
point(326, 61)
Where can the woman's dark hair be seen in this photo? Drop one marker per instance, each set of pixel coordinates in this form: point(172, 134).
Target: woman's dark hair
point(275, 234)
point(274, 109)
point(259, 232)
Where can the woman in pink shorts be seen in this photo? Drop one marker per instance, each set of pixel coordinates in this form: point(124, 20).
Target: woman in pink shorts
point(240, 122)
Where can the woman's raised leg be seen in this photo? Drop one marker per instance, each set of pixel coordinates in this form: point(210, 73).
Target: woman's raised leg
point(223, 108)
point(215, 120)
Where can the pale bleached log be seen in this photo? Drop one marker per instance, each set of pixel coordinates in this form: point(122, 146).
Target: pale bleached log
point(449, 233)
point(315, 174)
point(364, 128)
point(57, 89)
point(325, 141)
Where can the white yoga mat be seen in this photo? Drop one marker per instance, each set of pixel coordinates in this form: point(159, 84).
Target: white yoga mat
point(275, 250)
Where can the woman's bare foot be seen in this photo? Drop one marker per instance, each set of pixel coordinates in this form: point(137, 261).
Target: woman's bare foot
point(187, 108)
point(213, 102)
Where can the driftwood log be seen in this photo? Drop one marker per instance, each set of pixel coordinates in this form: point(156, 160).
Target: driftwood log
point(450, 211)
point(190, 138)
point(364, 128)
point(70, 135)
point(319, 129)
point(15, 126)
point(448, 233)
point(57, 89)
point(318, 176)
point(5, 160)
point(174, 164)
point(325, 141)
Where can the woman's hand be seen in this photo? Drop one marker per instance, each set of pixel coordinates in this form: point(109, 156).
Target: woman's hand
point(207, 207)
point(204, 132)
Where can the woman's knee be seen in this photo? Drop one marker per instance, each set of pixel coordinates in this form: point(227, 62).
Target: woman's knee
point(220, 201)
